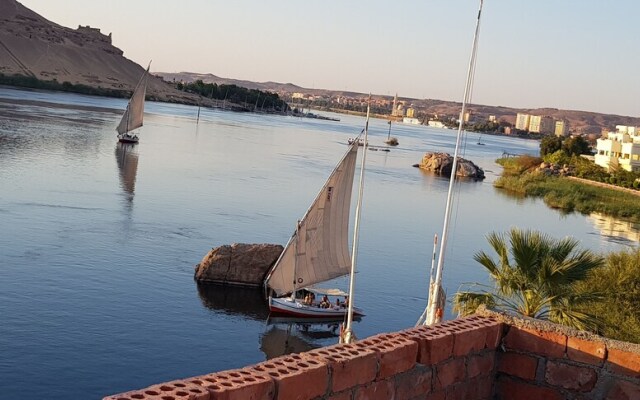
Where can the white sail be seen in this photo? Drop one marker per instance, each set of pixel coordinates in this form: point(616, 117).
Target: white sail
point(132, 117)
point(319, 251)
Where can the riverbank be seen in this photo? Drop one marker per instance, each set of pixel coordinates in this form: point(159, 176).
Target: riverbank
point(570, 195)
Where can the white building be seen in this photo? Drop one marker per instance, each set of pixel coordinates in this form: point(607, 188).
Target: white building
point(522, 121)
point(541, 124)
point(620, 149)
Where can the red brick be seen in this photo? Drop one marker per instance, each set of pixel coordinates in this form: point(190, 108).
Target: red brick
point(482, 387)
point(623, 390)
point(548, 344)
point(235, 384)
point(296, 377)
point(570, 377)
point(480, 364)
point(624, 362)
point(381, 390)
point(494, 335)
point(181, 390)
point(586, 351)
point(449, 372)
point(413, 383)
point(346, 395)
point(520, 365)
point(395, 352)
point(437, 396)
point(350, 365)
point(175, 390)
point(457, 392)
point(468, 340)
point(507, 389)
point(434, 345)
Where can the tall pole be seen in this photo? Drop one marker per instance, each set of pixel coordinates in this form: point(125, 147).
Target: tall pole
point(389, 134)
point(434, 315)
point(347, 336)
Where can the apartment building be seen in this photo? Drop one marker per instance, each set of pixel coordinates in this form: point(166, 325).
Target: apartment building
point(620, 149)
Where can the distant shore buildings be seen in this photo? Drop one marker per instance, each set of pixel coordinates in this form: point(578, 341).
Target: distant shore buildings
point(619, 149)
point(535, 123)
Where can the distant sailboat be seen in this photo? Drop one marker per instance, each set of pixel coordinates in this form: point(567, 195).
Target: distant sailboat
point(134, 114)
point(391, 141)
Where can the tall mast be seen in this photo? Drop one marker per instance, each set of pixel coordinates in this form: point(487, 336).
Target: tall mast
point(434, 315)
point(347, 335)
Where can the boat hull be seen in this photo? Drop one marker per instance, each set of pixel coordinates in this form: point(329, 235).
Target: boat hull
point(128, 138)
point(294, 308)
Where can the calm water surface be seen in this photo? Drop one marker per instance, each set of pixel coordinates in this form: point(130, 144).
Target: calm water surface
point(98, 241)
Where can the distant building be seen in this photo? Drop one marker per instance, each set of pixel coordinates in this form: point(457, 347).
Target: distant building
point(541, 124)
point(297, 96)
point(562, 128)
point(522, 121)
point(467, 116)
point(413, 121)
point(411, 112)
point(620, 149)
point(435, 124)
point(492, 118)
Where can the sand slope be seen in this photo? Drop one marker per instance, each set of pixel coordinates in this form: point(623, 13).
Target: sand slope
point(33, 46)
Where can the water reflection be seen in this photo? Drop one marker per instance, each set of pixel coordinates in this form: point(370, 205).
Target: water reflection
point(127, 159)
point(615, 229)
point(286, 337)
point(230, 300)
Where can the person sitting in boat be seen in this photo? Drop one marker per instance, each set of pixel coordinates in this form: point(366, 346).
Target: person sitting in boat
point(325, 302)
point(346, 302)
point(307, 299)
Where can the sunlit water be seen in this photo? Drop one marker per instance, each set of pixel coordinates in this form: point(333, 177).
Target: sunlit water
point(98, 242)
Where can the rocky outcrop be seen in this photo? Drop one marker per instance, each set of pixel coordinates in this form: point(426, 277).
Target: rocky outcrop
point(442, 163)
point(554, 169)
point(238, 264)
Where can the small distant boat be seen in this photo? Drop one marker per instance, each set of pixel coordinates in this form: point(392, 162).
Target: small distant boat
point(353, 140)
point(134, 114)
point(479, 141)
point(391, 141)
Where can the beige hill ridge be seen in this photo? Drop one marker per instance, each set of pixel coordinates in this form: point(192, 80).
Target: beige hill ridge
point(31, 45)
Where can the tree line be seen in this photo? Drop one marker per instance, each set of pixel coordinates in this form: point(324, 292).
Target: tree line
point(252, 99)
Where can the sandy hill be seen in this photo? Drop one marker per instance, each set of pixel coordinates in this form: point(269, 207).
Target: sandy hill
point(31, 45)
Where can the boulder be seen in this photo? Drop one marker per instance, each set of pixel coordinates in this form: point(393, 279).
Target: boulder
point(442, 163)
point(238, 264)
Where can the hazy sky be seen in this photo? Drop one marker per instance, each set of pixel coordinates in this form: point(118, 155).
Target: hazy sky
point(569, 54)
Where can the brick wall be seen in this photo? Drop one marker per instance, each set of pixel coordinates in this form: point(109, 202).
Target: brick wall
point(485, 356)
point(539, 360)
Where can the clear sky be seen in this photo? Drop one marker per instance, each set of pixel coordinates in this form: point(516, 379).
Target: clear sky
point(568, 54)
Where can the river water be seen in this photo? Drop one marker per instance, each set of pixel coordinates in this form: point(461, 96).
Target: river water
point(98, 242)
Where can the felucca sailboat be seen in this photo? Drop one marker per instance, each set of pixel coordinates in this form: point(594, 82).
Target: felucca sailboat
point(134, 114)
point(318, 251)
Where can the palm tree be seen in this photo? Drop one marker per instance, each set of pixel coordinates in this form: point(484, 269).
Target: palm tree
point(535, 276)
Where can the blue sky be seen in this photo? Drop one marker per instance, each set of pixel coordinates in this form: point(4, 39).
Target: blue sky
point(568, 54)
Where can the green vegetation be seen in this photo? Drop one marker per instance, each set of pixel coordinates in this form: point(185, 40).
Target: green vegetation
point(535, 276)
point(571, 196)
point(618, 283)
point(520, 176)
point(253, 99)
point(35, 83)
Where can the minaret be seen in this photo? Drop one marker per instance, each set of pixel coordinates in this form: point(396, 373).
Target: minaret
point(395, 102)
